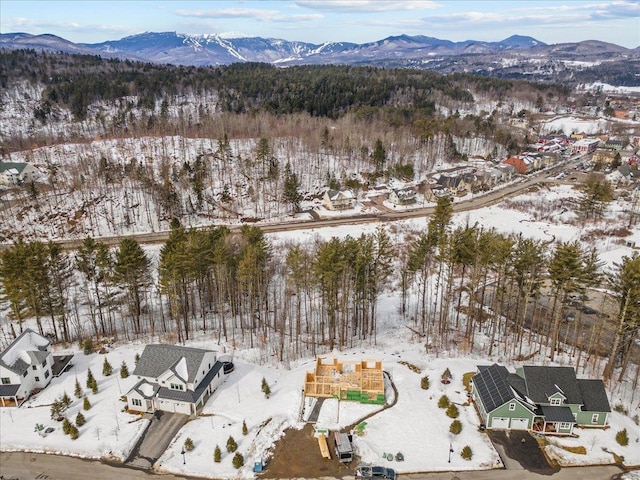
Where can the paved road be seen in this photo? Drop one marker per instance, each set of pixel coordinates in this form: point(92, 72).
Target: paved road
point(35, 466)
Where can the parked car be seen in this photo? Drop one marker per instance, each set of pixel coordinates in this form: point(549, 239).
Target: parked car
point(588, 310)
point(375, 472)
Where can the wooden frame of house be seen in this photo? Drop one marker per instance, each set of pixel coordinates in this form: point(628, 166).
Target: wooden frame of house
point(547, 400)
point(360, 381)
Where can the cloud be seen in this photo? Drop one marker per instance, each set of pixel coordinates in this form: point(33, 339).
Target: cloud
point(26, 24)
point(251, 13)
point(366, 6)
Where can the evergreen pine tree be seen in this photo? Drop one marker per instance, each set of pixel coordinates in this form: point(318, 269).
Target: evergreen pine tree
point(73, 431)
point(65, 400)
point(80, 420)
point(232, 446)
point(217, 454)
point(90, 378)
point(86, 404)
point(124, 370)
point(238, 460)
point(107, 369)
point(245, 430)
point(188, 444)
point(94, 386)
point(77, 392)
point(265, 388)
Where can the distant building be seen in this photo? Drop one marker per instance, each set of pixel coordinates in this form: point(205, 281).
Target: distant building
point(17, 173)
point(402, 196)
point(586, 145)
point(338, 199)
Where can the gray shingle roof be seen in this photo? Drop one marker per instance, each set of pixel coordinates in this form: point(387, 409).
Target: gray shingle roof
point(157, 359)
point(29, 344)
point(594, 395)
point(9, 390)
point(190, 395)
point(490, 383)
point(542, 382)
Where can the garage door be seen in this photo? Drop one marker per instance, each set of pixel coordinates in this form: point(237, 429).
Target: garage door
point(498, 422)
point(519, 423)
point(182, 408)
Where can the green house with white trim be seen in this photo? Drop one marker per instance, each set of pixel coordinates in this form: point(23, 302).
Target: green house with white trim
point(549, 400)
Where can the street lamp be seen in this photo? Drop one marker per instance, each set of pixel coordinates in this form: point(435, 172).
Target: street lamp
point(184, 459)
point(450, 452)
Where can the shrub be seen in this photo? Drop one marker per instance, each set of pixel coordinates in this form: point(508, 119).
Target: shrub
point(124, 370)
point(424, 382)
point(56, 410)
point(136, 359)
point(456, 427)
point(452, 411)
point(66, 426)
point(80, 420)
point(217, 455)
point(620, 409)
point(86, 405)
point(90, 378)
point(87, 347)
point(245, 430)
point(232, 446)
point(466, 453)
point(238, 460)
point(443, 402)
point(74, 432)
point(94, 386)
point(188, 444)
point(77, 392)
point(65, 400)
point(622, 437)
point(107, 369)
point(446, 376)
point(265, 388)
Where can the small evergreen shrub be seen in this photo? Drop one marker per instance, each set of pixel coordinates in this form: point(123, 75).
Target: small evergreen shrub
point(456, 427)
point(424, 382)
point(56, 410)
point(94, 386)
point(74, 432)
point(188, 444)
point(443, 402)
point(622, 437)
point(446, 377)
point(90, 378)
point(265, 388)
point(238, 460)
point(80, 420)
point(217, 455)
point(620, 409)
point(466, 453)
point(77, 392)
point(245, 430)
point(107, 369)
point(452, 411)
point(124, 370)
point(232, 446)
point(87, 346)
point(66, 426)
point(65, 400)
point(86, 405)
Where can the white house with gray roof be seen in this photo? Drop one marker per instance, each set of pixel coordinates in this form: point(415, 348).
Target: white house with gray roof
point(16, 173)
point(174, 379)
point(25, 365)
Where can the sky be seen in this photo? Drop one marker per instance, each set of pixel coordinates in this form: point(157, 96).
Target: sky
point(319, 21)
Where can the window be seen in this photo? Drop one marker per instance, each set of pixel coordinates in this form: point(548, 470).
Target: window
point(177, 386)
point(44, 363)
point(595, 417)
point(6, 380)
point(136, 402)
point(556, 401)
point(46, 374)
point(33, 367)
point(37, 379)
point(565, 425)
point(26, 372)
point(512, 407)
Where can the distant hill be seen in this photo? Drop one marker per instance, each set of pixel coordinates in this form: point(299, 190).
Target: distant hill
point(515, 57)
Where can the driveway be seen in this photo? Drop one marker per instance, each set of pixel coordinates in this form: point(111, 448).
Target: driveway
point(520, 451)
point(155, 440)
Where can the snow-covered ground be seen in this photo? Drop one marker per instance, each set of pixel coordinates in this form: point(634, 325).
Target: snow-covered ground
point(414, 426)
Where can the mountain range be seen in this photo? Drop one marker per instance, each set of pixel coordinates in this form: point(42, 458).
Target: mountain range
point(508, 58)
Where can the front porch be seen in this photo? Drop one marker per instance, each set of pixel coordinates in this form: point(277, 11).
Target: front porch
point(554, 420)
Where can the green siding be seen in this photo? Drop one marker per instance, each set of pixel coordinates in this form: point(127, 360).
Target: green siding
point(584, 418)
point(520, 412)
point(358, 396)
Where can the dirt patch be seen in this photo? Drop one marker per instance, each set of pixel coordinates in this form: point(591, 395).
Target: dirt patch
point(297, 455)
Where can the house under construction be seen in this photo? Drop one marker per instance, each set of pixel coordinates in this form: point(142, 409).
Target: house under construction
point(361, 381)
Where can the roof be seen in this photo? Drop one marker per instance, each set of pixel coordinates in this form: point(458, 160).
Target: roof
point(542, 382)
point(191, 395)
point(337, 194)
point(11, 166)
point(157, 359)
point(594, 395)
point(405, 192)
point(146, 389)
point(490, 383)
point(557, 414)
point(9, 390)
point(29, 347)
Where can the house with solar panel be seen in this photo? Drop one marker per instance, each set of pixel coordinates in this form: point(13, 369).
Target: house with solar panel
point(549, 400)
point(175, 379)
point(25, 366)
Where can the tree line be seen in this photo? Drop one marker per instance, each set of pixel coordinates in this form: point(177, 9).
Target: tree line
point(309, 298)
